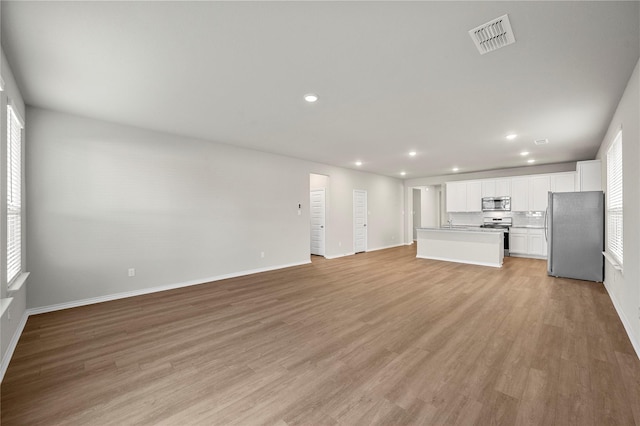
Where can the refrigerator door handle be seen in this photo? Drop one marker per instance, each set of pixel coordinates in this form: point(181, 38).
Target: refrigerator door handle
point(546, 226)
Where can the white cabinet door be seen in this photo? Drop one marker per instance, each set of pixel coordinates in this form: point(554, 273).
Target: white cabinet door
point(489, 188)
point(456, 196)
point(539, 187)
point(474, 196)
point(520, 194)
point(589, 175)
point(518, 243)
point(536, 242)
point(563, 182)
point(503, 188)
point(540, 233)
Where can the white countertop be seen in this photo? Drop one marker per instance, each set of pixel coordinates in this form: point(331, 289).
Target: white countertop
point(462, 229)
point(527, 226)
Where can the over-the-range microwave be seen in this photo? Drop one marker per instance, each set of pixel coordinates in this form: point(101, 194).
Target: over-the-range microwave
point(496, 204)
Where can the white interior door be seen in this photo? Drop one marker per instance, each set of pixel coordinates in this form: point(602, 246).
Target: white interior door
point(317, 222)
point(359, 220)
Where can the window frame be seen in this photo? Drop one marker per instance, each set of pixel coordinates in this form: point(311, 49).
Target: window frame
point(14, 207)
point(615, 201)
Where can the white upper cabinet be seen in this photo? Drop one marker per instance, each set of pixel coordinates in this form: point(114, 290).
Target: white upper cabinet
point(528, 193)
point(589, 175)
point(456, 196)
point(503, 187)
point(474, 196)
point(563, 182)
point(464, 196)
point(489, 188)
point(520, 194)
point(496, 187)
point(539, 187)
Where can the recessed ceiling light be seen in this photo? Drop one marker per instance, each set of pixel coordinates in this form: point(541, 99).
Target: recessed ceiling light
point(512, 136)
point(531, 160)
point(358, 163)
point(455, 169)
point(412, 153)
point(310, 97)
point(403, 173)
point(524, 153)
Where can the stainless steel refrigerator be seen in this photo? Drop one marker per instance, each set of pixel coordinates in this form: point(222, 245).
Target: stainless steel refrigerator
point(574, 229)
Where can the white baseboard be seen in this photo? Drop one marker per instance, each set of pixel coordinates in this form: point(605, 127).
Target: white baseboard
point(625, 321)
point(528, 256)
point(368, 250)
point(12, 344)
point(340, 255)
point(386, 247)
point(140, 292)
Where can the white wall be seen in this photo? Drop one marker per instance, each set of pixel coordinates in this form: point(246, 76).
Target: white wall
point(317, 181)
point(104, 198)
point(10, 320)
point(624, 289)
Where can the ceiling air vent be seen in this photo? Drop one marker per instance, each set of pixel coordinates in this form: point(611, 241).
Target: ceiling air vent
point(541, 141)
point(493, 35)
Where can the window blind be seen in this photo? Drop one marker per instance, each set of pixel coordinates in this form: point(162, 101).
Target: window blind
point(14, 195)
point(614, 199)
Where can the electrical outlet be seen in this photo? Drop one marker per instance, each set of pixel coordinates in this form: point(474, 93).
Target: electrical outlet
point(9, 314)
point(262, 254)
point(132, 272)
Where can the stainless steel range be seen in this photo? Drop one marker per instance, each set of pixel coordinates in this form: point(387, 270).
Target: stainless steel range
point(499, 223)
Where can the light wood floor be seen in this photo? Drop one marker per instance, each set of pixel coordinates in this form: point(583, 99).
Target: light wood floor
point(376, 338)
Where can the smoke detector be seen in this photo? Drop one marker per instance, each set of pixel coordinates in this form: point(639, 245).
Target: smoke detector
point(493, 35)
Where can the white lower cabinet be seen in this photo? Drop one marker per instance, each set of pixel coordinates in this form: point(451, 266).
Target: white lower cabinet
point(518, 241)
point(537, 242)
point(527, 242)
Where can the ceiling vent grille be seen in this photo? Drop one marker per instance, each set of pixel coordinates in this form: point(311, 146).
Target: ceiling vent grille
point(493, 35)
point(541, 141)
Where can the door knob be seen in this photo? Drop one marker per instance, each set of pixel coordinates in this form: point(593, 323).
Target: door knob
point(321, 226)
point(364, 224)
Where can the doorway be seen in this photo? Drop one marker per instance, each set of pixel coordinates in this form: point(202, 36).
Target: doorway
point(417, 211)
point(359, 220)
point(425, 207)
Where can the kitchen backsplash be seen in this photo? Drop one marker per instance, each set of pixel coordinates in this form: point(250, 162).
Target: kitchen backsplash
point(475, 219)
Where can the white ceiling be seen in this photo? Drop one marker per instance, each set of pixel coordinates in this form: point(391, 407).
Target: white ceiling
point(391, 76)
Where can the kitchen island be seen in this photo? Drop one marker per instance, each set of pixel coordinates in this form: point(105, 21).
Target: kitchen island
point(476, 246)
